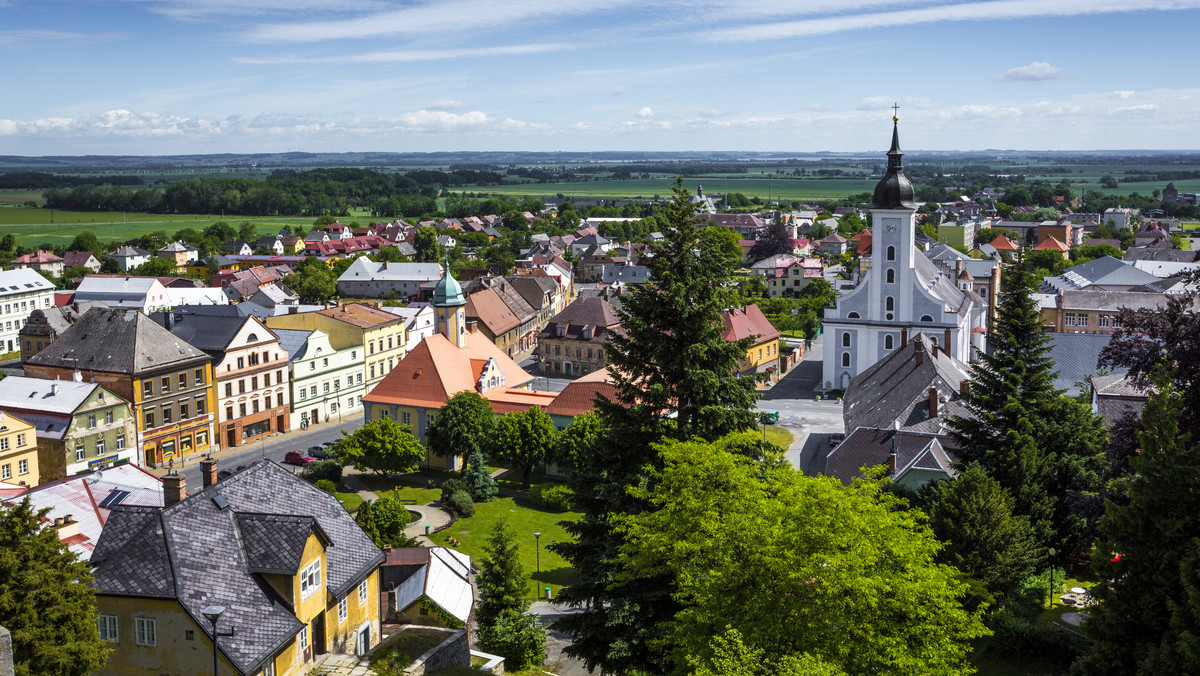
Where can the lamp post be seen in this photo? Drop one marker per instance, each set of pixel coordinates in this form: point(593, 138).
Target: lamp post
point(212, 614)
point(537, 537)
point(1052, 553)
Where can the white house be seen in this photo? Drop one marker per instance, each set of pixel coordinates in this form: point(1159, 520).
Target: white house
point(367, 279)
point(129, 257)
point(140, 293)
point(327, 384)
point(21, 292)
point(419, 322)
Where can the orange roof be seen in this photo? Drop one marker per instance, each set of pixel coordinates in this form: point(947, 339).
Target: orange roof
point(361, 315)
point(746, 322)
point(510, 400)
point(489, 307)
point(1051, 243)
point(579, 396)
point(1002, 243)
point(437, 369)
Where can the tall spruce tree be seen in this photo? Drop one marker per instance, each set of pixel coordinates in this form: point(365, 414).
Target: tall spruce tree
point(675, 377)
point(502, 582)
point(1153, 535)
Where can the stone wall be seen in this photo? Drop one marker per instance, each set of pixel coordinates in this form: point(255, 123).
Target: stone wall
point(452, 652)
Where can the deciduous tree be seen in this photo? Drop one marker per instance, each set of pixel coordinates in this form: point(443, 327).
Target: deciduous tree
point(524, 440)
point(381, 446)
point(462, 426)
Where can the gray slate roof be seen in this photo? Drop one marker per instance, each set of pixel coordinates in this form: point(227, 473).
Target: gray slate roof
point(1076, 356)
point(116, 341)
point(211, 333)
point(292, 341)
point(196, 552)
point(942, 286)
point(871, 447)
point(896, 389)
point(1105, 271)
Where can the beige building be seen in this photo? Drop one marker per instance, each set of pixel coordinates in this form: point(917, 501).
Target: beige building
point(18, 451)
point(381, 334)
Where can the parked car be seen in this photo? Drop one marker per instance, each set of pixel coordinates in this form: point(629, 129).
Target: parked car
point(297, 458)
point(319, 452)
point(836, 438)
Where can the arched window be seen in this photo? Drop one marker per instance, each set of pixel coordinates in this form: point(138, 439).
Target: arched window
point(845, 359)
point(926, 318)
point(891, 276)
point(891, 254)
point(890, 304)
point(852, 315)
point(845, 340)
point(887, 342)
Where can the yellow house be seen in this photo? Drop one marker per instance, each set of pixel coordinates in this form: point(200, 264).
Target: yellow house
point(381, 334)
point(281, 566)
point(750, 322)
point(18, 451)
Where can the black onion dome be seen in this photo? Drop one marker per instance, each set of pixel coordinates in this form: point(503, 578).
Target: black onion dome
point(894, 190)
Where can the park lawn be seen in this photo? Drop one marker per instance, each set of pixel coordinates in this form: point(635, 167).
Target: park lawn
point(350, 501)
point(524, 520)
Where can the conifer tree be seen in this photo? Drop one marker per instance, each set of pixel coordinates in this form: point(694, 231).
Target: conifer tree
point(502, 582)
point(1146, 542)
point(480, 483)
point(675, 377)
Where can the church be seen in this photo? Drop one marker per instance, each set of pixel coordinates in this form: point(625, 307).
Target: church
point(901, 294)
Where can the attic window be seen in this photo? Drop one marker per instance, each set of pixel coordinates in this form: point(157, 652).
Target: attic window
point(220, 501)
point(926, 318)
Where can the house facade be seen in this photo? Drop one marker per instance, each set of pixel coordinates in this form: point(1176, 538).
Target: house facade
point(18, 451)
point(380, 333)
point(40, 260)
point(327, 384)
point(21, 292)
point(575, 341)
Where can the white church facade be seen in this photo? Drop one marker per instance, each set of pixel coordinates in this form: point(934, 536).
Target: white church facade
point(901, 294)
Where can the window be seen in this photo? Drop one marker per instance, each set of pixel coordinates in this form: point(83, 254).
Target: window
point(304, 393)
point(890, 304)
point(1116, 321)
point(242, 386)
point(268, 669)
point(325, 385)
point(310, 579)
point(182, 380)
point(99, 447)
point(324, 362)
point(312, 366)
point(254, 383)
point(121, 441)
point(147, 631)
point(20, 440)
point(167, 416)
point(108, 418)
point(891, 253)
point(845, 359)
point(80, 453)
point(891, 276)
point(198, 377)
point(372, 370)
point(6, 472)
point(202, 438)
point(183, 411)
point(353, 354)
point(927, 318)
point(1083, 319)
point(428, 419)
point(406, 418)
point(279, 377)
point(108, 628)
point(362, 592)
point(342, 610)
point(266, 357)
point(303, 640)
point(149, 419)
point(337, 383)
point(91, 422)
point(229, 389)
point(200, 406)
point(887, 342)
point(1069, 319)
point(164, 383)
point(241, 362)
point(845, 340)
point(147, 388)
point(1104, 322)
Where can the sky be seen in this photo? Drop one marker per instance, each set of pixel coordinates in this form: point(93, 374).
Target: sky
point(161, 77)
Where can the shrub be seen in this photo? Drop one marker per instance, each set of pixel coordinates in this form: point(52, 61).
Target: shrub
point(516, 637)
point(327, 486)
point(452, 486)
point(327, 470)
point(460, 501)
point(552, 497)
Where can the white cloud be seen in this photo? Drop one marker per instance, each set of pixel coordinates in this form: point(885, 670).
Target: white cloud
point(712, 113)
point(409, 55)
point(1036, 71)
point(1123, 94)
point(21, 38)
point(208, 9)
point(618, 91)
point(448, 105)
point(975, 11)
point(646, 113)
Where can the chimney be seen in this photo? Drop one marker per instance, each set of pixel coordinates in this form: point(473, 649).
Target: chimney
point(473, 327)
point(208, 470)
point(957, 267)
point(964, 389)
point(893, 457)
point(54, 388)
point(67, 527)
point(933, 402)
point(904, 337)
point(174, 489)
point(947, 343)
point(918, 352)
point(170, 320)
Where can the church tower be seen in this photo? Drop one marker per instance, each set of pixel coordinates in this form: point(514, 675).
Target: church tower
point(449, 307)
point(893, 239)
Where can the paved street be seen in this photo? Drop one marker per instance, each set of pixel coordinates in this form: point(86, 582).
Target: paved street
point(809, 420)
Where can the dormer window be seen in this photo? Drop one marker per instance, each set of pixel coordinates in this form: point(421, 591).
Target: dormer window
point(310, 579)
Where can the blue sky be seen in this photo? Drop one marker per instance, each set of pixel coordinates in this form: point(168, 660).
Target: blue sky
point(152, 77)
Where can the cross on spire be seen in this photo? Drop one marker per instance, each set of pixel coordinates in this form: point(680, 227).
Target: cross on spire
point(895, 112)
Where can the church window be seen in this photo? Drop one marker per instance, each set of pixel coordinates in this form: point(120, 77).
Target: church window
point(891, 276)
point(845, 340)
point(926, 318)
point(887, 342)
point(890, 304)
point(845, 359)
point(852, 315)
point(891, 253)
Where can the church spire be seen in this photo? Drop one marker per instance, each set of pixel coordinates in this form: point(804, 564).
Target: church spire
point(894, 190)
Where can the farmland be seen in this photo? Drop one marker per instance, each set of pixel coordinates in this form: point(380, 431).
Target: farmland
point(781, 188)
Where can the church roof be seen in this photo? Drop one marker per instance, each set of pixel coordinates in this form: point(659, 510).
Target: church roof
point(894, 190)
point(941, 286)
point(448, 292)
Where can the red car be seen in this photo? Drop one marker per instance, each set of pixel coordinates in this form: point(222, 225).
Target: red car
point(297, 458)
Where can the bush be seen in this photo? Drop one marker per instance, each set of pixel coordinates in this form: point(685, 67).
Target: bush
point(516, 637)
point(452, 486)
point(322, 470)
point(327, 486)
point(552, 497)
point(460, 501)
point(384, 520)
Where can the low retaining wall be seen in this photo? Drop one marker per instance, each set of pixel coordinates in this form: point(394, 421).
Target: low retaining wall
point(452, 652)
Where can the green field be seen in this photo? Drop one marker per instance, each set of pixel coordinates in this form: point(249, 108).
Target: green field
point(781, 188)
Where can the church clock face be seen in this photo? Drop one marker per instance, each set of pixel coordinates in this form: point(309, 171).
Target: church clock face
point(891, 227)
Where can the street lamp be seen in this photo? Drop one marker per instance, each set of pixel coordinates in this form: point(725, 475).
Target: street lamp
point(212, 614)
point(537, 537)
point(1052, 553)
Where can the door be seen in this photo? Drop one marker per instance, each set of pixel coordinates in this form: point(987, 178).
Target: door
point(230, 438)
point(364, 640)
point(315, 417)
point(319, 634)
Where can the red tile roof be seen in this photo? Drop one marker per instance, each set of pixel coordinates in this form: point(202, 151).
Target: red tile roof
point(1051, 243)
point(579, 396)
point(361, 315)
point(1002, 243)
point(488, 307)
point(39, 257)
point(747, 322)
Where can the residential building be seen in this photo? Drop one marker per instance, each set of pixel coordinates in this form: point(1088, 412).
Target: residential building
point(456, 359)
point(45, 325)
point(1100, 274)
point(367, 279)
point(747, 226)
point(167, 381)
point(902, 290)
point(575, 341)
point(241, 285)
point(236, 248)
point(790, 280)
point(80, 426)
point(1087, 311)
point(625, 273)
point(82, 259)
point(80, 504)
point(911, 459)
point(600, 242)
point(833, 245)
point(249, 372)
point(981, 275)
point(1116, 397)
point(1054, 244)
point(129, 257)
point(959, 233)
point(291, 573)
point(413, 577)
point(380, 333)
point(327, 384)
point(179, 253)
point(418, 322)
point(18, 451)
point(495, 319)
point(763, 354)
point(1119, 217)
point(145, 294)
point(21, 292)
point(40, 260)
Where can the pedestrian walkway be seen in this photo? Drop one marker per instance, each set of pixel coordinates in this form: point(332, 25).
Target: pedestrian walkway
point(337, 664)
point(434, 517)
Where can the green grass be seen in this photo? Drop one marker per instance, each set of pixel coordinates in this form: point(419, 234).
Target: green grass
point(524, 520)
point(350, 501)
point(403, 648)
point(782, 188)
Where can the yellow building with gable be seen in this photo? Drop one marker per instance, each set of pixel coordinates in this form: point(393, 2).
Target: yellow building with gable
point(18, 451)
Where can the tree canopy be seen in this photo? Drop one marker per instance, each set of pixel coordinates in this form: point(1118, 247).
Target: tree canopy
point(381, 446)
point(524, 440)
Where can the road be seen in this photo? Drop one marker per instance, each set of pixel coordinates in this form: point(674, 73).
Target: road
point(273, 448)
point(810, 420)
